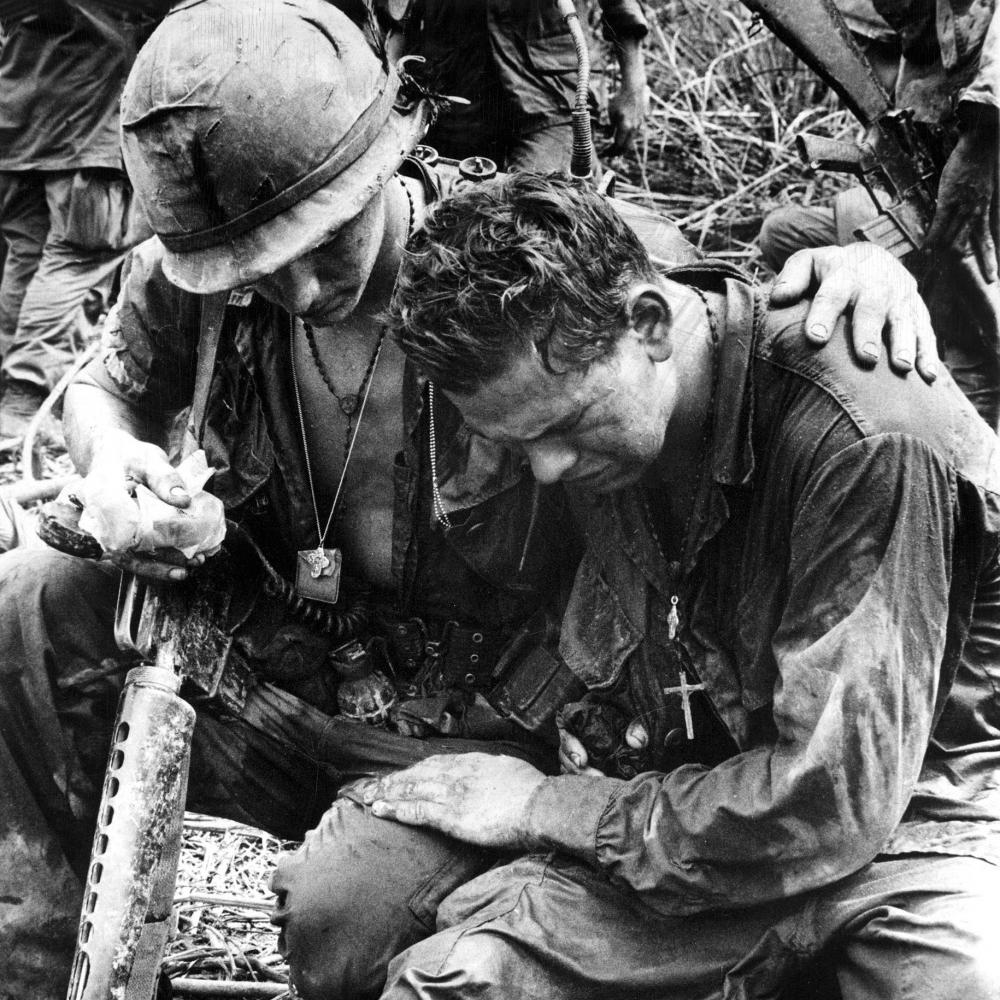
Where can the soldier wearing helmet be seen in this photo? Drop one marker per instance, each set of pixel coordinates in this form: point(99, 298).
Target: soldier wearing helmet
point(268, 143)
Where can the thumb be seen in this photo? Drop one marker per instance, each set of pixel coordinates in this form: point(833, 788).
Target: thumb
point(572, 754)
point(151, 468)
point(795, 279)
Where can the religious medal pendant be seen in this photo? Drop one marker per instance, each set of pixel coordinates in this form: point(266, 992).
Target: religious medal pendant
point(317, 574)
point(673, 619)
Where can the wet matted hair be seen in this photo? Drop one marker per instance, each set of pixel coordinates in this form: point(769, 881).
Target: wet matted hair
point(527, 260)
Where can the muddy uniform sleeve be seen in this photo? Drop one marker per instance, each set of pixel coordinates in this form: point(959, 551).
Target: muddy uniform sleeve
point(149, 344)
point(985, 88)
point(858, 650)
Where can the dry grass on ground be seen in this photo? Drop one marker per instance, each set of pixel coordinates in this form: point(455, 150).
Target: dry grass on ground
point(717, 155)
point(726, 102)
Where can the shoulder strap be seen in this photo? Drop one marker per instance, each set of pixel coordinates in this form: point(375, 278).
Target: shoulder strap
point(213, 310)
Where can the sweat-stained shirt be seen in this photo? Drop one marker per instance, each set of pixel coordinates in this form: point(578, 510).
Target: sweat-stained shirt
point(838, 593)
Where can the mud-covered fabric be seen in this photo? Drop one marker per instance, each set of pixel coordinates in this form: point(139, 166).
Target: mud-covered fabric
point(549, 928)
point(838, 593)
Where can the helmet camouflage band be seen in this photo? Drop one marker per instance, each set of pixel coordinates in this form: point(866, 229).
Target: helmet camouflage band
point(252, 130)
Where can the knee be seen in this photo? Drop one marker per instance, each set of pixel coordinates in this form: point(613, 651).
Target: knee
point(49, 599)
point(778, 236)
point(50, 579)
point(358, 892)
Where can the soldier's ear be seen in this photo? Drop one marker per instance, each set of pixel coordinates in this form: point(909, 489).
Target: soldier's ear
point(650, 318)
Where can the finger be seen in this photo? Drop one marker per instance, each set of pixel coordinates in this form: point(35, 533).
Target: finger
point(407, 786)
point(868, 319)
point(573, 750)
point(902, 337)
point(985, 248)
point(566, 764)
point(928, 361)
point(927, 358)
point(795, 279)
point(829, 303)
point(150, 466)
point(637, 735)
point(149, 569)
point(417, 813)
point(171, 556)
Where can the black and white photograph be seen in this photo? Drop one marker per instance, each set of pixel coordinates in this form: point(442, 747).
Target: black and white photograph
point(499, 499)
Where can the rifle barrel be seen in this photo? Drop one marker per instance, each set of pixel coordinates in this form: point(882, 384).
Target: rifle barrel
point(815, 31)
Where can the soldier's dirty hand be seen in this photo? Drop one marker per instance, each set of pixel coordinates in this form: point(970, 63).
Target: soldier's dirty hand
point(626, 113)
point(875, 294)
point(479, 798)
point(118, 464)
point(965, 193)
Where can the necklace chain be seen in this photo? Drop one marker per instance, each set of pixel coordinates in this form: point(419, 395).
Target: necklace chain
point(348, 404)
point(440, 514)
point(322, 532)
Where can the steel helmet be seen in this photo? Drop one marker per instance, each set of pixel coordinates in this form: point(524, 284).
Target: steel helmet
point(253, 129)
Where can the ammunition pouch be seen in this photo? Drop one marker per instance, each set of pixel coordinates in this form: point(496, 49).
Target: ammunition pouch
point(448, 677)
point(533, 682)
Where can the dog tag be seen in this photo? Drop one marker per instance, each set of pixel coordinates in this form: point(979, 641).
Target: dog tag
point(317, 574)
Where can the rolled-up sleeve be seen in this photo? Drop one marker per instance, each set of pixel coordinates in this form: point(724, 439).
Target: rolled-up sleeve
point(985, 87)
point(149, 343)
point(858, 653)
point(623, 19)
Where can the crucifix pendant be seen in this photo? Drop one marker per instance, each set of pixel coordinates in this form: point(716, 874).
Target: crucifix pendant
point(685, 689)
point(317, 574)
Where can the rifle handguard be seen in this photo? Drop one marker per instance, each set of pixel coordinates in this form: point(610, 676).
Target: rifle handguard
point(125, 920)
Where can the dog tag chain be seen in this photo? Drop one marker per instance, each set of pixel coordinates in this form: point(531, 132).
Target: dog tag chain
point(317, 571)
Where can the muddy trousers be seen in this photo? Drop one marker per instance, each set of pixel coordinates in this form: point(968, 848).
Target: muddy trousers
point(278, 766)
point(964, 305)
point(920, 927)
point(66, 232)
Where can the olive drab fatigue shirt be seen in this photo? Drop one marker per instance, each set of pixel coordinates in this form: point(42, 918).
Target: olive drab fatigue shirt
point(838, 594)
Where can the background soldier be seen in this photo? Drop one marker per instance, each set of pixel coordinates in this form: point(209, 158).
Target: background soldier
point(64, 199)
